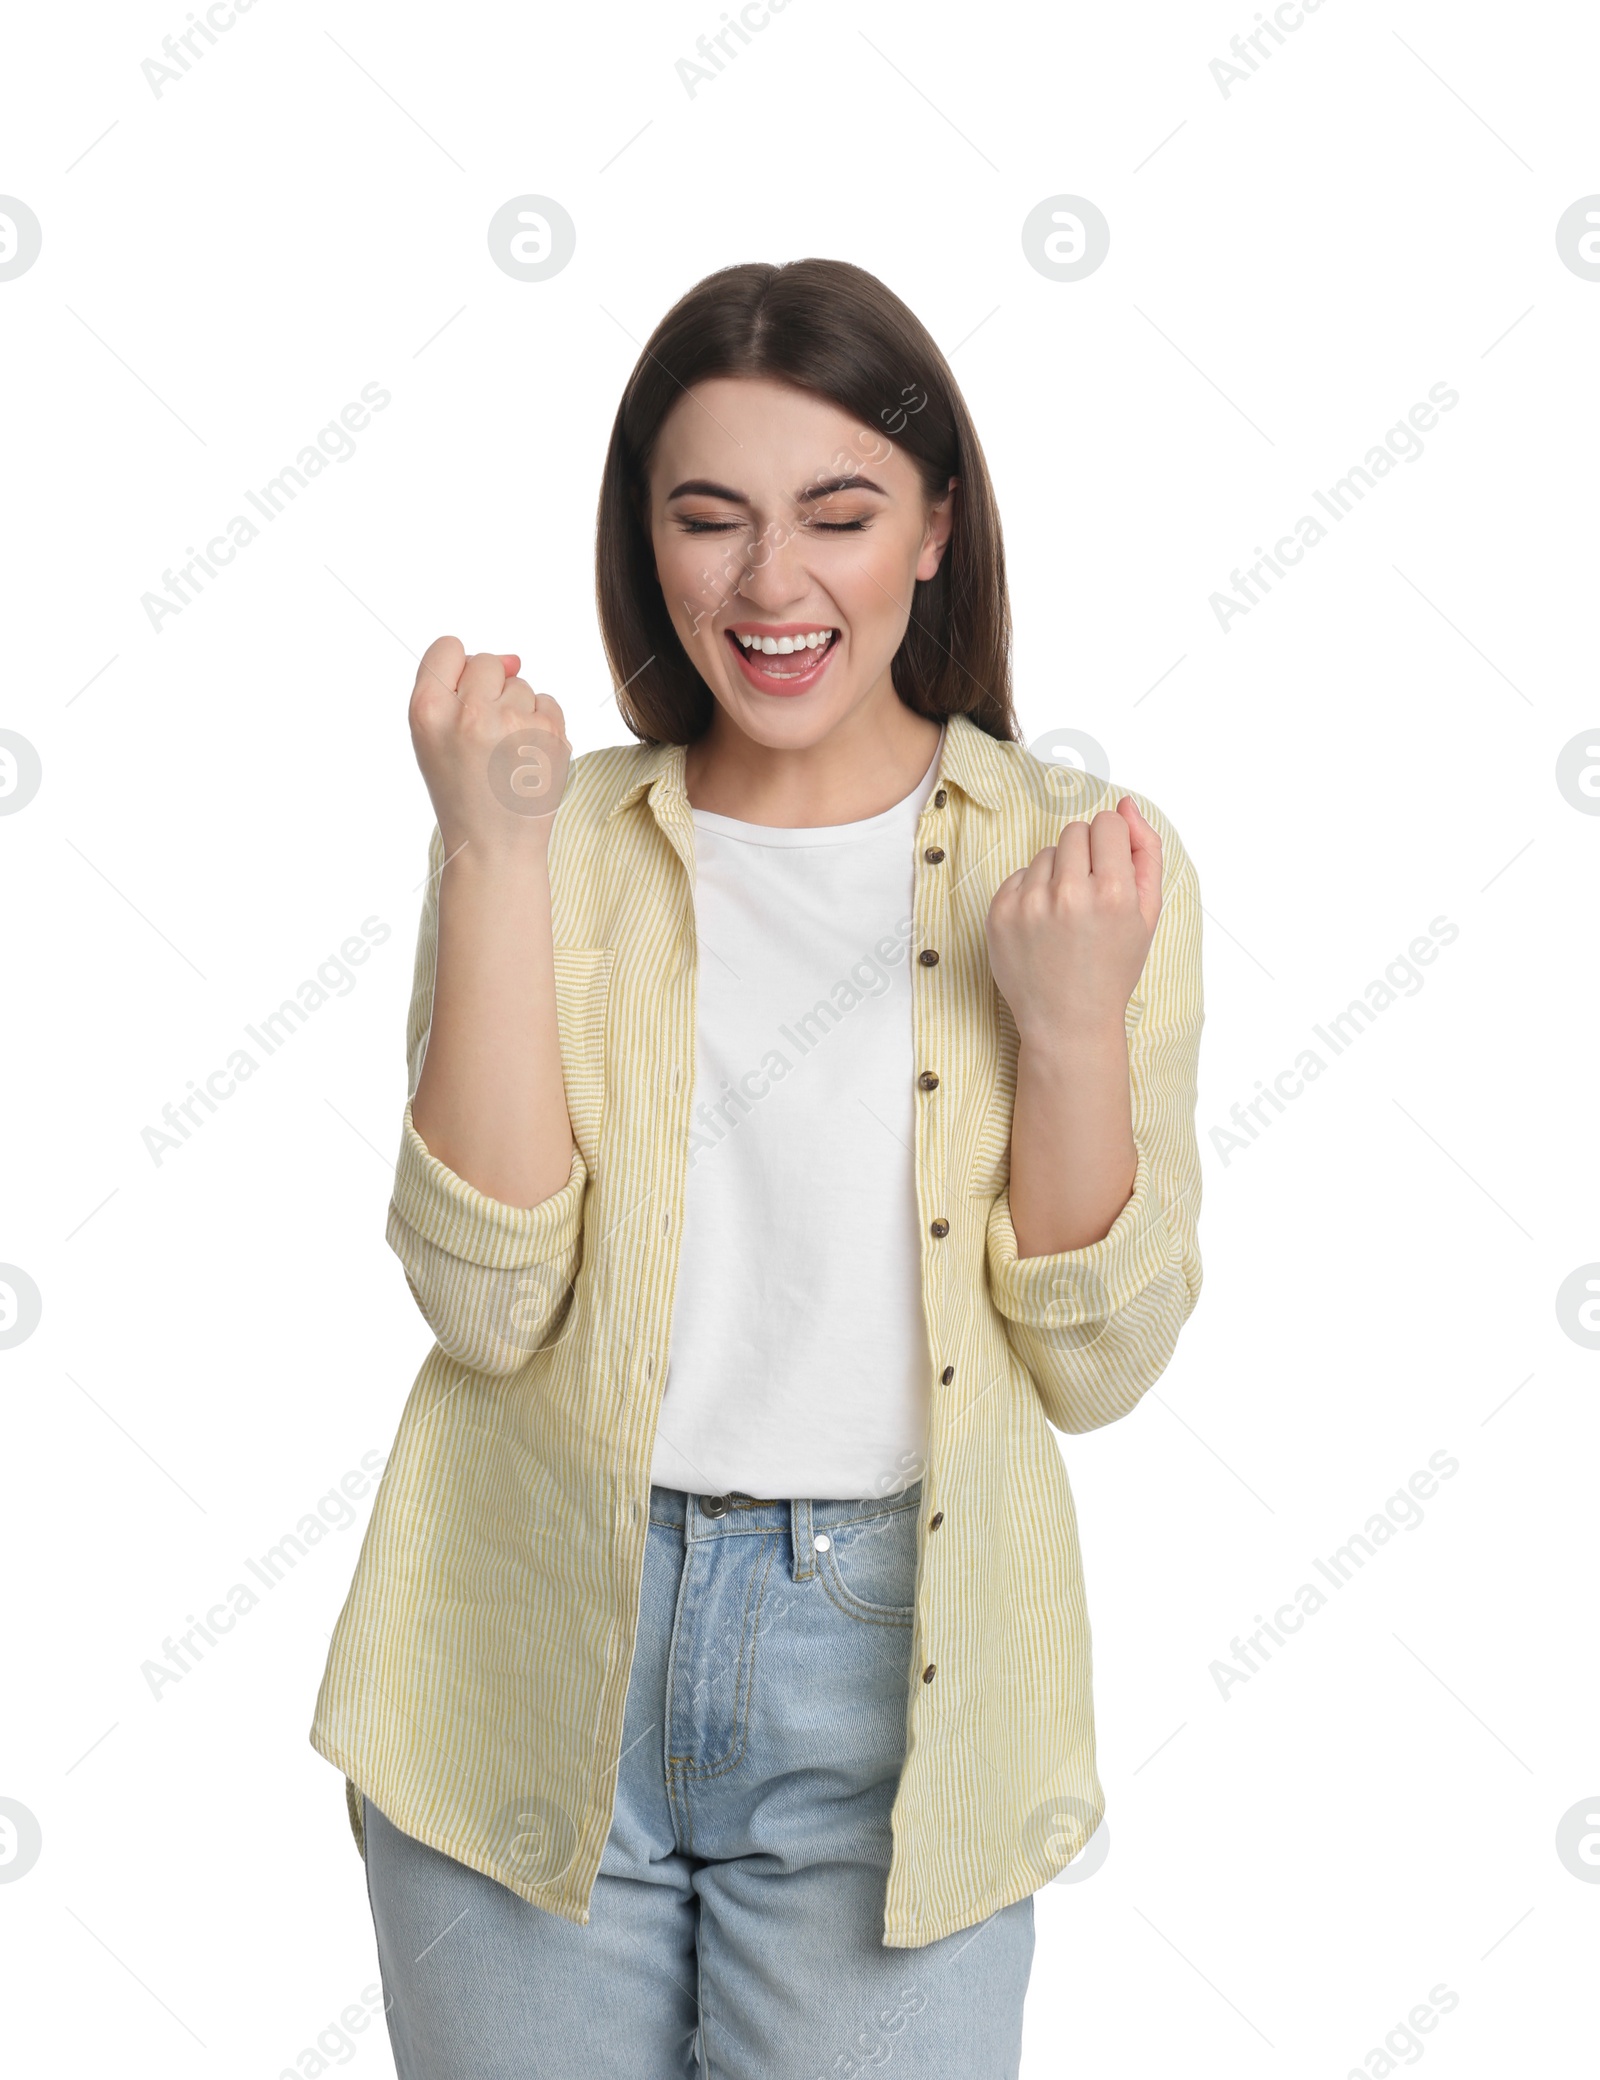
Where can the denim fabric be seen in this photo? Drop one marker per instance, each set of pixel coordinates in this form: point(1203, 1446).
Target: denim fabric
point(736, 1924)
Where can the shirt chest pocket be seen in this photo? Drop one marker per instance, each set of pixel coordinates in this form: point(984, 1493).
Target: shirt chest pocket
point(583, 997)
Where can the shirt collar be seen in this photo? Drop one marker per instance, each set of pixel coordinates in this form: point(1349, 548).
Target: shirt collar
point(972, 760)
point(975, 762)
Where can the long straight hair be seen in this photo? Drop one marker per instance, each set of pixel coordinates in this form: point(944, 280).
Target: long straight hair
point(837, 331)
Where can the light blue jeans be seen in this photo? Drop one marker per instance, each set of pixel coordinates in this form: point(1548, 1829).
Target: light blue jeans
point(736, 1926)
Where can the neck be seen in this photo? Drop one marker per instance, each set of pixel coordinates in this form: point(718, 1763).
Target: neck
point(870, 760)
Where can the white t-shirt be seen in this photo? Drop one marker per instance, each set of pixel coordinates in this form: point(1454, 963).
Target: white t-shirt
point(799, 1360)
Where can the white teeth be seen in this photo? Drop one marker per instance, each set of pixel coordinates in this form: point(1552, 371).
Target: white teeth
point(784, 646)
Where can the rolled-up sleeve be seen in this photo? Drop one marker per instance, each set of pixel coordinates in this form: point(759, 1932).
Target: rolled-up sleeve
point(1095, 1327)
point(493, 1281)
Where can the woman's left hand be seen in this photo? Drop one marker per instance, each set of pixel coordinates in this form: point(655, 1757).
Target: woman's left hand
point(1068, 933)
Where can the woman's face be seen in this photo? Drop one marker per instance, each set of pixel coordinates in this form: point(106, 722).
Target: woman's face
point(787, 538)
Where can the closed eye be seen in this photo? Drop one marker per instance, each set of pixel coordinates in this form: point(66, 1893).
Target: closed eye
point(816, 526)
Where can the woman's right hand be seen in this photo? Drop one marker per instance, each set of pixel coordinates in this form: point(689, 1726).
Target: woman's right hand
point(494, 753)
point(490, 1100)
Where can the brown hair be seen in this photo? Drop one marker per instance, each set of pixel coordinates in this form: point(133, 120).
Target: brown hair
point(837, 331)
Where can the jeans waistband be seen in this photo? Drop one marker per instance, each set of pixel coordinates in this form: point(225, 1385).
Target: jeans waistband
point(734, 1514)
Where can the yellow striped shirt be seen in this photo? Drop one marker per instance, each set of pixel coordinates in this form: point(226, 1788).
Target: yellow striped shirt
point(477, 1676)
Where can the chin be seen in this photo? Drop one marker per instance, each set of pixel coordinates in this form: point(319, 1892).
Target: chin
point(794, 723)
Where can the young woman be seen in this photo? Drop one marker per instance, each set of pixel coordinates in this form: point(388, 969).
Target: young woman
point(802, 1124)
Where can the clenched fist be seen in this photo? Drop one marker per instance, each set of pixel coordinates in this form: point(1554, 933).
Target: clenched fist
point(494, 753)
point(1068, 934)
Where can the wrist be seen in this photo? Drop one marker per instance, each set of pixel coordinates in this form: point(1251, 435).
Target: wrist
point(1075, 1039)
point(499, 853)
point(478, 878)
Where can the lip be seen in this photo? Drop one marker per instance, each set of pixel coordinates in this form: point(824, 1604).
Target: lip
point(802, 682)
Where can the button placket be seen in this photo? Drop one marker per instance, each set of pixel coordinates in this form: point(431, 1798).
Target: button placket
point(934, 924)
point(928, 957)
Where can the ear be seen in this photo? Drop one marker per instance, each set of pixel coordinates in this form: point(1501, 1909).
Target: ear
point(941, 520)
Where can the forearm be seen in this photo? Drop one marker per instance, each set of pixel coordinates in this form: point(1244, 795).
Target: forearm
point(490, 1102)
point(1072, 1151)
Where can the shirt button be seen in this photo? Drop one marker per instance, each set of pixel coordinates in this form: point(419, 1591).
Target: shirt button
point(948, 1374)
point(928, 1080)
point(927, 1673)
point(939, 799)
point(934, 854)
point(715, 1505)
point(936, 1520)
point(940, 1227)
point(928, 957)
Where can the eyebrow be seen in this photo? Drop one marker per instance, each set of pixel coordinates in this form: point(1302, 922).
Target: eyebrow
point(703, 487)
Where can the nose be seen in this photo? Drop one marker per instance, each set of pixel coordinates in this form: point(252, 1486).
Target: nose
point(774, 577)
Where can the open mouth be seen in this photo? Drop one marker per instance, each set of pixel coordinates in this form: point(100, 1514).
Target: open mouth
point(789, 663)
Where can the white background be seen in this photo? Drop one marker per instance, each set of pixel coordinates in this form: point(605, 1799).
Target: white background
point(1292, 265)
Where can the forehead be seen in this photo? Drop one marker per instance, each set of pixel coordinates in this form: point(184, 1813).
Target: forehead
point(754, 434)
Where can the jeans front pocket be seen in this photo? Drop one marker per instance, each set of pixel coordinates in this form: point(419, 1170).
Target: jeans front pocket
point(869, 1566)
